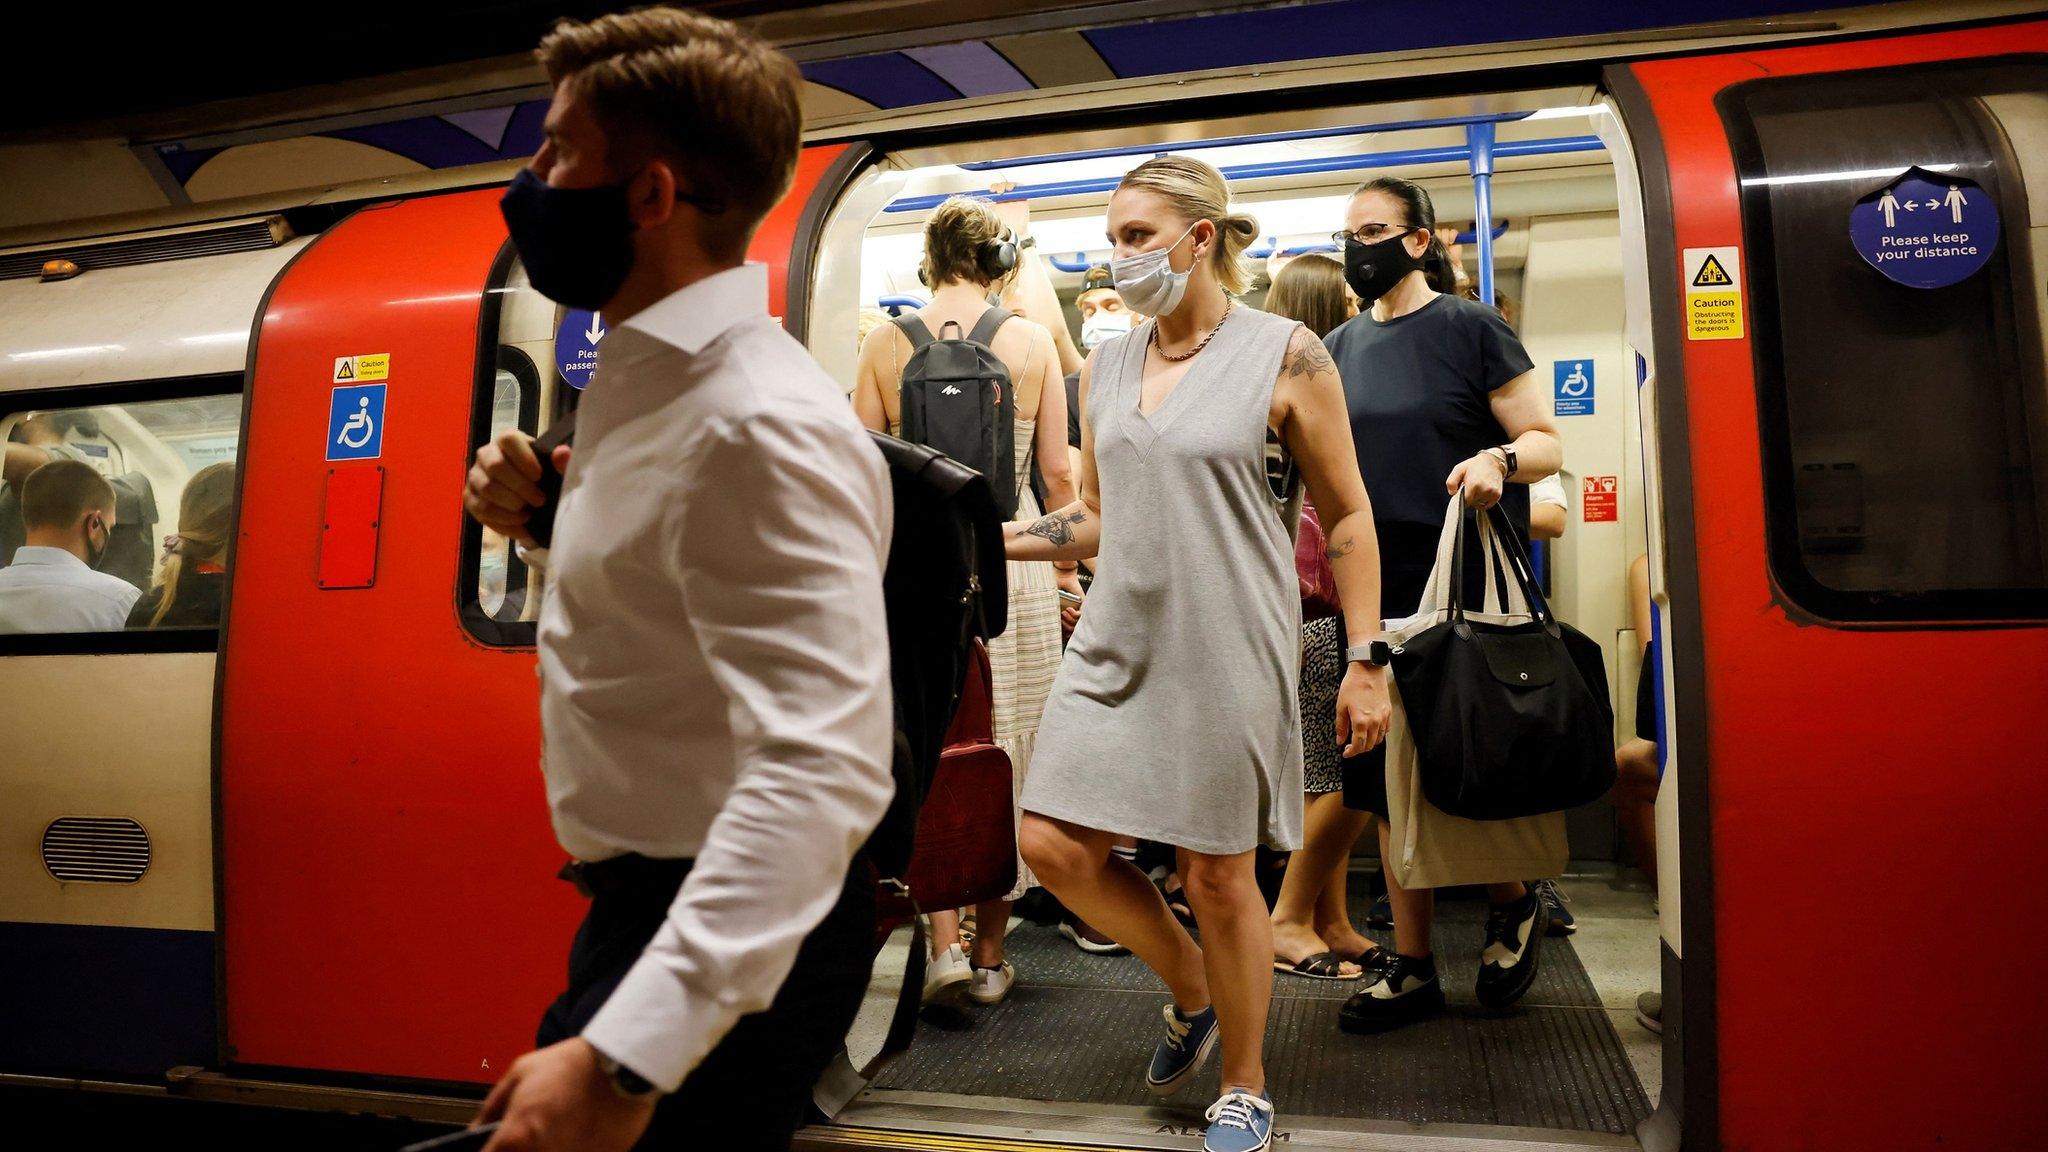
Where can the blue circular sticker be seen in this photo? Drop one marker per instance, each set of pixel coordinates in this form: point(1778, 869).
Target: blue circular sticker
point(1925, 230)
point(576, 346)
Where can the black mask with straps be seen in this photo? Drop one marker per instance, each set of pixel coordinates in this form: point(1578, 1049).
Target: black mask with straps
point(1372, 270)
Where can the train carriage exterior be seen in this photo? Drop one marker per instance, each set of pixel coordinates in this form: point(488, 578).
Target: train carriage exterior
point(333, 876)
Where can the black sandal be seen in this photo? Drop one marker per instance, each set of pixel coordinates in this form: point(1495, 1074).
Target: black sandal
point(1321, 966)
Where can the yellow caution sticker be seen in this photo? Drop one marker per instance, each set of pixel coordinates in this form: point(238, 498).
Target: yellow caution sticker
point(356, 369)
point(1713, 293)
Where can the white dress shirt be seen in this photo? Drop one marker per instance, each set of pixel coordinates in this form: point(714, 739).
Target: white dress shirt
point(714, 654)
point(50, 590)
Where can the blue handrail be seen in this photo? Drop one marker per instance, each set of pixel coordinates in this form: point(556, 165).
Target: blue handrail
point(1235, 141)
point(1304, 167)
point(1499, 230)
point(1483, 149)
point(898, 305)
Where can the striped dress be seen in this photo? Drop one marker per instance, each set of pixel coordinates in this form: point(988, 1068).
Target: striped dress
point(1026, 657)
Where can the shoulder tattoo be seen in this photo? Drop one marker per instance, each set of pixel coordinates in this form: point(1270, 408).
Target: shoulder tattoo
point(1306, 355)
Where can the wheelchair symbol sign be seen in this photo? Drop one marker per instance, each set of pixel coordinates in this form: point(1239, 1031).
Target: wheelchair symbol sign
point(1574, 387)
point(355, 423)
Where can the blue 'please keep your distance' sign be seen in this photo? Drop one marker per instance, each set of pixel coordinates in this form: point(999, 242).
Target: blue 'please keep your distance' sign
point(1926, 230)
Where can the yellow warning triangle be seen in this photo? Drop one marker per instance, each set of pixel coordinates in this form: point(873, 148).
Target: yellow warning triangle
point(1711, 274)
point(347, 368)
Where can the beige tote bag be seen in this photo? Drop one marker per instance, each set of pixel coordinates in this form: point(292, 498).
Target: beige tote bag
point(1426, 846)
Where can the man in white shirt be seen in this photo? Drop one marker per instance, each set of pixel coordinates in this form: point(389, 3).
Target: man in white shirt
point(715, 697)
point(54, 584)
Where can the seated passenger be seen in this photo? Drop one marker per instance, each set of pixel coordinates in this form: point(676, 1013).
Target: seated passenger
point(33, 442)
point(53, 585)
point(189, 586)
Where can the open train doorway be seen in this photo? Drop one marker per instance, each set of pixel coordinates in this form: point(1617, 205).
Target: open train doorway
point(1526, 183)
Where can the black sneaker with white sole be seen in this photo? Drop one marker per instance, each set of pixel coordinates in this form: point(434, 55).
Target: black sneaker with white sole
point(1405, 992)
point(1514, 943)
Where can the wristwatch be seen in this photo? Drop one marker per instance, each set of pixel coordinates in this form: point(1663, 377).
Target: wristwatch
point(1507, 460)
point(625, 1081)
point(1377, 653)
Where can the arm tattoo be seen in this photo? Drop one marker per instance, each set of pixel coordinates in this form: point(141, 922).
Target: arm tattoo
point(1339, 550)
point(1056, 528)
point(1307, 357)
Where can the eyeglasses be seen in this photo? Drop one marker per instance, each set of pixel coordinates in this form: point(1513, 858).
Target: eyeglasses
point(1371, 234)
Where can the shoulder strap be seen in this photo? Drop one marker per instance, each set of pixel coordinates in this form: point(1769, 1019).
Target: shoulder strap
point(915, 329)
point(985, 328)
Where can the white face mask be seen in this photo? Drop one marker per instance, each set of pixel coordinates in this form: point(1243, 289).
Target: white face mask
point(1102, 326)
point(1147, 283)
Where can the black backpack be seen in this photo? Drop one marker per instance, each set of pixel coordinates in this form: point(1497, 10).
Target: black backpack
point(957, 398)
point(945, 585)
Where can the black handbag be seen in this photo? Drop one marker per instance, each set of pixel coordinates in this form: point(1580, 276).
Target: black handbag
point(1509, 720)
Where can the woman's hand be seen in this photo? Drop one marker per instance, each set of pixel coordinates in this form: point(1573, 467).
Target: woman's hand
point(1070, 613)
point(1364, 709)
point(1482, 477)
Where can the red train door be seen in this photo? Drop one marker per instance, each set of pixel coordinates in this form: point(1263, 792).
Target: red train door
point(387, 866)
point(1854, 456)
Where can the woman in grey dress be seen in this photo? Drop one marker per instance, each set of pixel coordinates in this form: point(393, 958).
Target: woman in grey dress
point(1174, 716)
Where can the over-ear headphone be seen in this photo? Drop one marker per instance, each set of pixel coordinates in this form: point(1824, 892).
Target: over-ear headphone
point(998, 256)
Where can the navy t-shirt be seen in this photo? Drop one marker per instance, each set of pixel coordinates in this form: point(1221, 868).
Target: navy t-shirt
point(1419, 389)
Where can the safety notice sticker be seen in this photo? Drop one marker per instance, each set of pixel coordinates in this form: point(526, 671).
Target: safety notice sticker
point(359, 369)
point(1600, 496)
point(1713, 293)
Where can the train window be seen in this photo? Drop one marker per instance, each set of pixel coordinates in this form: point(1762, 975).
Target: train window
point(497, 593)
point(1905, 438)
point(118, 516)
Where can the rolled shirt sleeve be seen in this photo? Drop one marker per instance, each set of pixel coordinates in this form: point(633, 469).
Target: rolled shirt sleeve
point(779, 547)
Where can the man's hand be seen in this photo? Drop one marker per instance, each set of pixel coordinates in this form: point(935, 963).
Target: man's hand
point(1482, 478)
point(1070, 614)
point(1363, 709)
point(560, 1099)
point(504, 486)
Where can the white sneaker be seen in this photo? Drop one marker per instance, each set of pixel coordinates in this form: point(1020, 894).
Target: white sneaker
point(946, 976)
point(992, 984)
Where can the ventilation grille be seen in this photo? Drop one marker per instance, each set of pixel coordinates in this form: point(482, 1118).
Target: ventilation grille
point(245, 236)
point(96, 850)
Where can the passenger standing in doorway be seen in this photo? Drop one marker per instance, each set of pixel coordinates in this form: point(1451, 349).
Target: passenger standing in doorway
point(1442, 399)
point(960, 267)
point(1174, 716)
point(1312, 931)
point(715, 698)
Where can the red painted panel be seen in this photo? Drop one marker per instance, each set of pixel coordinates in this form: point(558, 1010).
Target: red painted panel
point(1857, 776)
point(390, 903)
point(348, 528)
point(777, 235)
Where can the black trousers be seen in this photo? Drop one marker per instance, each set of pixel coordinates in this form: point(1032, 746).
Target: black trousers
point(754, 1090)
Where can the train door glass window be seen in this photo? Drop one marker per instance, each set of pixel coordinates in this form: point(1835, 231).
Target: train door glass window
point(1905, 428)
point(156, 560)
point(497, 592)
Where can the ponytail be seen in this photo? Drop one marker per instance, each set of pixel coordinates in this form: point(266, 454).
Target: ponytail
point(1234, 234)
point(1436, 266)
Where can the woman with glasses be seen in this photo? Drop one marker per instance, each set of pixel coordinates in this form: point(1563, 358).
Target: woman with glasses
point(1442, 398)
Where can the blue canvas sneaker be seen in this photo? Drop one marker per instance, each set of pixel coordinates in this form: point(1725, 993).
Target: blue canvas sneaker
point(1189, 1040)
point(1562, 922)
point(1239, 1122)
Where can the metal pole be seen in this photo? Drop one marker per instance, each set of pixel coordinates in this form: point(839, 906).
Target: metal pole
point(1480, 139)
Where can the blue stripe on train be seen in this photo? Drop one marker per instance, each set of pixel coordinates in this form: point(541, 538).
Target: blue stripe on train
point(94, 1000)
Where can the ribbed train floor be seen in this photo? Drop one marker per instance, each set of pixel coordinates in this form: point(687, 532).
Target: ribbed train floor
point(1078, 1028)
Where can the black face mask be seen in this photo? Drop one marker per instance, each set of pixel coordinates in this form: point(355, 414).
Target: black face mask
point(1372, 270)
point(576, 243)
point(94, 557)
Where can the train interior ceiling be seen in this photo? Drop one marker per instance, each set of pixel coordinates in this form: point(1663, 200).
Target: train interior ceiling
point(1573, 1056)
